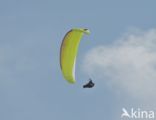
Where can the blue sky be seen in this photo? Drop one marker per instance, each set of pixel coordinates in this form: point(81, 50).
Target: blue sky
point(31, 32)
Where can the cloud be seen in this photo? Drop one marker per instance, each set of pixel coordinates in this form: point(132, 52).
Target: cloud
point(128, 64)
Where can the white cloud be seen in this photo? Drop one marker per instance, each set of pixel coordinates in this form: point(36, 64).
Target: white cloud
point(128, 64)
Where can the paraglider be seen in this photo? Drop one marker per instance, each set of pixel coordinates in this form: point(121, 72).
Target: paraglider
point(68, 52)
point(90, 84)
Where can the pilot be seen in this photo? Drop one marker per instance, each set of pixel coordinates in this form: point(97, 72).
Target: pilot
point(90, 84)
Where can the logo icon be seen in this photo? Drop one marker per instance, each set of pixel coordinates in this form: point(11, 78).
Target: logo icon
point(125, 113)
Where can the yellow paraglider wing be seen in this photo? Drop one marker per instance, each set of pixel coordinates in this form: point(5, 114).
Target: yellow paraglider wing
point(68, 53)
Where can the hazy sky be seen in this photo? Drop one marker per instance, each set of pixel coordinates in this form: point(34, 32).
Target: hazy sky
point(31, 82)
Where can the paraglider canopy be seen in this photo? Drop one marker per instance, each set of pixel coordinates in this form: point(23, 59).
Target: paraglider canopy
point(68, 52)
